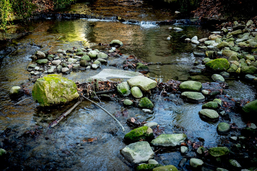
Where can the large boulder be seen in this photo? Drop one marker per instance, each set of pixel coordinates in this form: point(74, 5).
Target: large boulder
point(220, 64)
point(218, 151)
point(169, 140)
point(144, 133)
point(142, 82)
point(54, 89)
point(251, 107)
point(191, 86)
point(138, 152)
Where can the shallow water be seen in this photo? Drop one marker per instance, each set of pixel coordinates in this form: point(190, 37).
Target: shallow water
point(89, 139)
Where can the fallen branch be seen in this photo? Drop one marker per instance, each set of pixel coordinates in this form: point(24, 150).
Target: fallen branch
point(105, 111)
point(54, 123)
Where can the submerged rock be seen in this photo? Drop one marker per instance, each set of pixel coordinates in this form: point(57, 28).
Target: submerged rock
point(138, 152)
point(144, 83)
point(54, 89)
point(169, 140)
point(141, 133)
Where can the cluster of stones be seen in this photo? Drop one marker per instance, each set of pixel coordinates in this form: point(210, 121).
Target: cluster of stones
point(65, 61)
point(135, 88)
point(233, 49)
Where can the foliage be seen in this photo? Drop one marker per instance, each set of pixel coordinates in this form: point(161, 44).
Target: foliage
point(5, 9)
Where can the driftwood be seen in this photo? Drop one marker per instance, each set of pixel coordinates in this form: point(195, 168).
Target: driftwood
point(54, 123)
point(105, 111)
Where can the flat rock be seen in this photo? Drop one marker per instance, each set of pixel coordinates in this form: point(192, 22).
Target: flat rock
point(191, 85)
point(195, 97)
point(142, 82)
point(169, 140)
point(209, 114)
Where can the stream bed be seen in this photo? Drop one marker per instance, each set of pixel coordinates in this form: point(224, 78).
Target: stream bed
point(88, 139)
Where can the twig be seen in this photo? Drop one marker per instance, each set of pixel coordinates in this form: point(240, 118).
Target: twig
point(54, 123)
point(104, 110)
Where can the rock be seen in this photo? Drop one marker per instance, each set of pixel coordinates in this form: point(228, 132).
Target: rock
point(166, 168)
point(221, 169)
point(95, 66)
point(141, 133)
point(136, 92)
point(65, 70)
point(93, 54)
point(151, 124)
point(128, 102)
point(219, 101)
point(15, 90)
point(84, 63)
point(183, 149)
point(203, 39)
point(147, 167)
point(147, 110)
point(250, 57)
point(40, 55)
point(223, 128)
point(248, 69)
point(195, 42)
point(209, 42)
point(211, 105)
point(142, 68)
point(32, 66)
point(194, 162)
point(199, 54)
point(51, 70)
point(209, 114)
point(123, 89)
point(86, 58)
point(102, 55)
point(59, 68)
point(191, 85)
point(53, 90)
point(152, 161)
point(56, 62)
point(220, 64)
point(195, 38)
point(230, 54)
point(97, 62)
point(194, 97)
point(169, 140)
point(210, 54)
point(250, 108)
point(138, 152)
point(2, 152)
point(71, 60)
point(234, 163)
point(142, 82)
point(145, 103)
point(236, 32)
point(75, 66)
point(232, 68)
point(116, 42)
point(225, 74)
point(42, 61)
point(222, 45)
point(218, 151)
point(206, 60)
point(218, 78)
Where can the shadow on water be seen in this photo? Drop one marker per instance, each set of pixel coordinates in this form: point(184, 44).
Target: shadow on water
point(89, 139)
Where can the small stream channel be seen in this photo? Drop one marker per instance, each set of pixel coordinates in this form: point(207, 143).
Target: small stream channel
point(89, 139)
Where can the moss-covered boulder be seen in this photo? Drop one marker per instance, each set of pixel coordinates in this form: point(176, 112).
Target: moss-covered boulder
point(123, 89)
point(166, 168)
point(251, 107)
point(53, 90)
point(220, 64)
point(147, 167)
point(218, 151)
point(141, 133)
point(169, 140)
point(191, 85)
point(145, 103)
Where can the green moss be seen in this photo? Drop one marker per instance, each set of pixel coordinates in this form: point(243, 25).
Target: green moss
point(218, 151)
point(145, 103)
point(211, 105)
point(220, 64)
point(250, 107)
point(137, 134)
point(147, 167)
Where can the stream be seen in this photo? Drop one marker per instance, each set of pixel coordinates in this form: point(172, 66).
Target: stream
point(88, 139)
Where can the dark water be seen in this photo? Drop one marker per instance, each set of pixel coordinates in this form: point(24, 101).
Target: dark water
point(66, 146)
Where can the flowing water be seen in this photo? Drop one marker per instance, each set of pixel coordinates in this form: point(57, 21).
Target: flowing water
point(88, 139)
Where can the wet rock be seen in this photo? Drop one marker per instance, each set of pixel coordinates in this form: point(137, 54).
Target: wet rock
point(147, 110)
point(86, 58)
point(250, 108)
point(145, 103)
point(94, 66)
point(84, 63)
point(32, 66)
point(209, 42)
point(116, 42)
point(40, 54)
point(223, 128)
point(93, 54)
point(222, 45)
point(183, 149)
point(138, 152)
point(102, 55)
point(209, 114)
point(236, 32)
point(218, 78)
point(65, 70)
point(249, 69)
point(169, 140)
point(145, 167)
point(232, 56)
point(136, 92)
point(141, 133)
point(211, 105)
point(199, 54)
point(234, 163)
point(191, 85)
point(220, 64)
point(75, 66)
point(71, 60)
point(195, 97)
point(218, 151)
point(210, 54)
point(54, 89)
point(151, 124)
point(42, 61)
point(2, 152)
point(225, 74)
point(203, 39)
point(152, 161)
point(51, 69)
point(194, 162)
point(195, 40)
point(59, 68)
point(142, 82)
point(123, 89)
point(127, 102)
point(15, 90)
point(166, 168)
point(206, 60)
point(219, 101)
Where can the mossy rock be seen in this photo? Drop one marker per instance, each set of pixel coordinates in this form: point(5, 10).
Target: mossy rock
point(248, 69)
point(220, 64)
point(223, 128)
point(123, 89)
point(191, 85)
point(53, 90)
point(145, 103)
point(211, 105)
point(142, 68)
point(166, 168)
point(250, 107)
point(42, 61)
point(141, 133)
point(232, 68)
point(230, 54)
point(128, 102)
point(218, 151)
point(85, 57)
point(222, 45)
point(147, 167)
